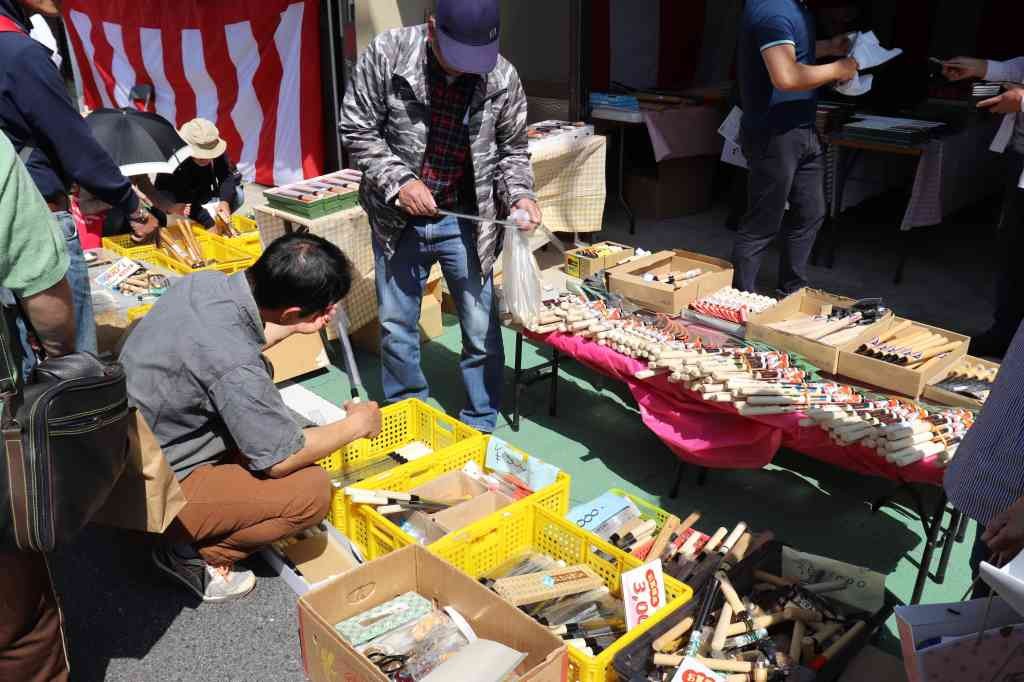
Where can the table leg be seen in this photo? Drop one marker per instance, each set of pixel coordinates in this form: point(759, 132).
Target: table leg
point(961, 531)
point(517, 386)
point(622, 179)
point(933, 526)
point(948, 539)
point(673, 492)
point(842, 171)
point(553, 406)
point(904, 255)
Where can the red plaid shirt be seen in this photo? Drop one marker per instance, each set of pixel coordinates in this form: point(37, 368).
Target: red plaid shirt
point(444, 164)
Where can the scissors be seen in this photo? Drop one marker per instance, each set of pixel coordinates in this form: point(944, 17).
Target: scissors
point(389, 664)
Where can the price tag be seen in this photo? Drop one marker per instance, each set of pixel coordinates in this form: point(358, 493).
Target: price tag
point(643, 591)
point(865, 589)
point(693, 670)
point(117, 273)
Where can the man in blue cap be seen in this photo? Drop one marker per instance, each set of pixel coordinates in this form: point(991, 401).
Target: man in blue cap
point(435, 119)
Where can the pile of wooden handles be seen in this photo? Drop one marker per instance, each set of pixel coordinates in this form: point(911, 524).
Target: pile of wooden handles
point(901, 432)
point(969, 371)
point(732, 305)
point(180, 243)
point(676, 278)
point(824, 327)
point(910, 346)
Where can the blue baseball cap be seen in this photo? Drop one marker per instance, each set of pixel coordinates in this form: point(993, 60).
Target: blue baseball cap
point(467, 34)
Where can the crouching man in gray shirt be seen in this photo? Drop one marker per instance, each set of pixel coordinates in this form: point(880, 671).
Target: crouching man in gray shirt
point(197, 374)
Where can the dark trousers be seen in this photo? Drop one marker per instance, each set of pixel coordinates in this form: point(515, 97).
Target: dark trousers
point(31, 641)
point(786, 167)
point(1010, 280)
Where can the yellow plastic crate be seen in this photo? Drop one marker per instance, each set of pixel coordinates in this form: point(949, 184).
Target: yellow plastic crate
point(487, 544)
point(249, 240)
point(229, 259)
point(123, 245)
point(378, 535)
point(138, 312)
point(401, 424)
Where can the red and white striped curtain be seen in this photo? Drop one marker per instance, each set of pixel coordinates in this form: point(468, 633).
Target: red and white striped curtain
point(250, 66)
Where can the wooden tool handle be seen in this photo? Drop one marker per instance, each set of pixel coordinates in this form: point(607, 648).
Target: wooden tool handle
point(712, 544)
point(894, 330)
point(840, 644)
point(733, 538)
point(667, 528)
point(675, 632)
point(797, 643)
point(933, 352)
point(724, 620)
point(727, 666)
point(729, 592)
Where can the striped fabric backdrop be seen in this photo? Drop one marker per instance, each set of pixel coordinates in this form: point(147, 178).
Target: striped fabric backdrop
point(250, 66)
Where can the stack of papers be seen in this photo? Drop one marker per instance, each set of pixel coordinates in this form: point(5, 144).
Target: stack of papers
point(869, 53)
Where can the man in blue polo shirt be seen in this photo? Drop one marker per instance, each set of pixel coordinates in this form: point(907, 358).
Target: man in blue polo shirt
point(779, 78)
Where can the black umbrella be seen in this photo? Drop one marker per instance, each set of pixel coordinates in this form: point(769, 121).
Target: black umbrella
point(140, 142)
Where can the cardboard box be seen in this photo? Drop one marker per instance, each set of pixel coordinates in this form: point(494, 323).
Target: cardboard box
point(297, 355)
point(329, 658)
point(890, 377)
point(579, 266)
point(935, 394)
point(807, 301)
point(313, 561)
point(431, 326)
point(463, 514)
point(674, 188)
point(628, 280)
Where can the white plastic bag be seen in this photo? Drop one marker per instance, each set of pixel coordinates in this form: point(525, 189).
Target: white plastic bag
point(521, 278)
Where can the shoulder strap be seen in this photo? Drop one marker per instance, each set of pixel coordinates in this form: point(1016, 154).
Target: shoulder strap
point(8, 25)
point(8, 368)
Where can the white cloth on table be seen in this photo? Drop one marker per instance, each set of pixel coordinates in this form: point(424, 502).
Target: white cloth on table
point(1012, 71)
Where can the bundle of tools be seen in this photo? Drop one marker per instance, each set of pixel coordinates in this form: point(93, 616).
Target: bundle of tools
point(902, 432)
point(575, 315)
point(676, 278)
point(910, 346)
point(572, 601)
point(179, 242)
point(410, 637)
point(351, 474)
point(834, 326)
point(970, 379)
point(781, 630)
point(321, 188)
point(143, 283)
point(732, 305)
point(224, 228)
point(389, 502)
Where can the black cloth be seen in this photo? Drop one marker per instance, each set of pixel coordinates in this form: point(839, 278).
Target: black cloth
point(36, 112)
point(784, 167)
point(1010, 279)
point(196, 185)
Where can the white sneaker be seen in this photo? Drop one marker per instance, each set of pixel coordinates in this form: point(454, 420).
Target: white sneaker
point(210, 583)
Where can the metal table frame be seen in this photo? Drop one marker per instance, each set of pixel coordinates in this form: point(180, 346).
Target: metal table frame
point(937, 535)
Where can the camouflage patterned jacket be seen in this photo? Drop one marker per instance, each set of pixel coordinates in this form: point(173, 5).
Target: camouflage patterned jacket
point(384, 125)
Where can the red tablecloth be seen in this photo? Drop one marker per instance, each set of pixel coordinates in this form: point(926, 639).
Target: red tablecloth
point(715, 435)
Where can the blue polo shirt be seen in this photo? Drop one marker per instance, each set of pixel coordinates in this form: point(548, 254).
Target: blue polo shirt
point(765, 24)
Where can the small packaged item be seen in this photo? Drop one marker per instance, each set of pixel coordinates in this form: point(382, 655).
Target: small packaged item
point(412, 651)
point(384, 618)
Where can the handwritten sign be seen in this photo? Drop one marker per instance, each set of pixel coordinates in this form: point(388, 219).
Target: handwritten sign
point(117, 273)
point(643, 591)
point(865, 589)
point(692, 670)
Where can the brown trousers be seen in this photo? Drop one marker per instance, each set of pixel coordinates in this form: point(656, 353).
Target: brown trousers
point(231, 513)
point(31, 641)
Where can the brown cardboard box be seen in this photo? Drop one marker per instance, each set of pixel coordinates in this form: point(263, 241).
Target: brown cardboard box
point(461, 515)
point(808, 301)
point(313, 561)
point(297, 355)
point(579, 266)
point(627, 279)
point(940, 395)
point(885, 375)
point(329, 658)
point(454, 485)
point(676, 187)
point(431, 326)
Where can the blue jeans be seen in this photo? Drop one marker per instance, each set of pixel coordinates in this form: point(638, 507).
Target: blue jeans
point(400, 282)
point(81, 295)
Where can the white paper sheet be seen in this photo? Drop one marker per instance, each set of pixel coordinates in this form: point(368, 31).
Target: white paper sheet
point(865, 588)
point(869, 53)
point(1008, 581)
point(480, 661)
point(311, 406)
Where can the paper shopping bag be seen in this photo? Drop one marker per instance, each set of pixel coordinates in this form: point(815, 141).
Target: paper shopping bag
point(147, 497)
point(940, 642)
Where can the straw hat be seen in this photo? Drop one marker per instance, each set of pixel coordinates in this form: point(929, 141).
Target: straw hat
point(203, 138)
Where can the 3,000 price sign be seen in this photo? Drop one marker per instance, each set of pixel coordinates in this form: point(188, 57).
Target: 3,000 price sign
point(643, 591)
